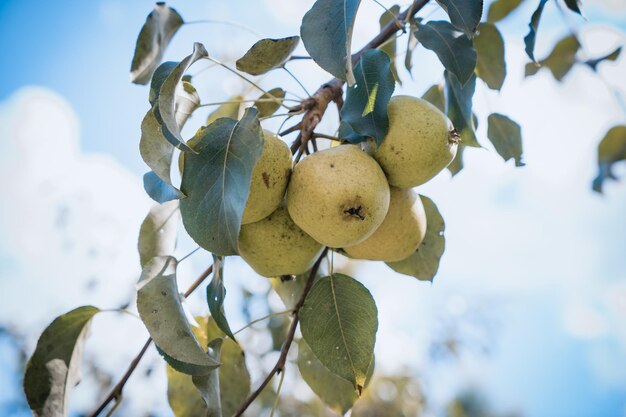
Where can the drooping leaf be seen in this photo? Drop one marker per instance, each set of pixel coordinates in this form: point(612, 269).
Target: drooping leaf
point(154, 37)
point(573, 5)
point(226, 110)
point(459, 102)
point(267, 54)
point(166, 110)
point(390, 46)
point(424, 263)
point(365, 107)
point(53, 370)
point(265, 103)
point(157, 235)
point(464, 14)
point(490, 63)
point(290, 289)
point(157, 189)
point(216, 181)
point(215, 294)
point(335, 391)
point(435, 96)
point(506, 136)
point(561, 59)
point(593, 63)
point(326, 32)
point(531, 37)
point(457, 163)
point(454, 50)
point(160, 308)
point(411, 43)
point(339, 323)
point(209, 385)
point(612, 149)
point(158, 78)
point(500, 9)
point(155, 149)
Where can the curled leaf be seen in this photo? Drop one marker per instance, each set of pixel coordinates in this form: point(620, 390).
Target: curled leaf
point(267, 54)
point(157, 235)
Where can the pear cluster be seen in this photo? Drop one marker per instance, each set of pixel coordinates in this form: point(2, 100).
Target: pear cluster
point(344, 197)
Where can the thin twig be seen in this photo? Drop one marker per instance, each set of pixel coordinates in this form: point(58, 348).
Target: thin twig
point(297, 81)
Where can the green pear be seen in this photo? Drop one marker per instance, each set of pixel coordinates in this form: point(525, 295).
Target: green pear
point(339, 196)
point(275, 246)
point(400, 234)
point(421, 142)
point(269, 179)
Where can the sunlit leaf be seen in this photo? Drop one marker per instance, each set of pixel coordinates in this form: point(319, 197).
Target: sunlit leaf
point(365, 107)
point(326, 32)
point(157, 189)
point(339, 323)
point(216, 181)
point(506, 136)
point(265, 103)
point(459, 102)
point(435, 96)
point(457, 163)
point(267, 54)
point(464, 14)
point(215, 294)
point(611, 149)
point(53, 370)
point(157, 235)
point(500, 9)
point(593, 63)
point(561, 59)
point(424, 263)
point(156, 33)
point(490, 63)
point(531, 37)
point(389, 47)
point(209, 385)
point(226, 110)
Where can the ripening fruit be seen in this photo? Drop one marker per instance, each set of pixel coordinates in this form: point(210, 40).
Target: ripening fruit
point(339, 196)
point(269, 179)
point(421, 142)
point(275, 246)
point(400, 234)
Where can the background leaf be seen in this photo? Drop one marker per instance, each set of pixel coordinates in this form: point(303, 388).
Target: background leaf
point(455, 51)
point(390, 46)
point(490, 63)
point(156, 33)
point(267, 54)
point(53, 370)
point(326, 32)
point(160, 308)
point(506, 136)
point(209, 385)
point(215, 294)
point(216, 181)
point(267, 107)
point(457, 163)
point(435, 96)
point(424, 263)
point(365, 107)
point(157, 235)
point(465, 15)
point(530, 39)
point(611, 149)
point(573, 5)
point(561, 59)
point(339, 323)
point(226, 110)
point(157, 189)
point(593, 63)
point(459, 101)
point(500, 9)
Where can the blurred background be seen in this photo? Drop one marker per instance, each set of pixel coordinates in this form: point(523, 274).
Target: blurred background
point(526, 317)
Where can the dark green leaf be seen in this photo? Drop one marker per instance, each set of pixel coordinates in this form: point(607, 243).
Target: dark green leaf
point(459, 100)
point(215, 294)
point(561, 59)
point(53, 370)
point(593, 63)
point(209, 385)
point(435, 96)
point(455, 51)
point(464, 14)
point(326, 32)
point(457, 163)
point(265, 103)
point(160, 308)
point(506, 136)
point(157, 235)
point(339, 323)
point(216, 181)
point(365, 107)
point(157, 189)
point(161, 25)
point(390, 46)
point(530, 39)
point(267, 54)
point(424, 263)
point(490, 63)
point(159, 77)
point(611, 149)
point(573, 5)
point(500, 9)
point(226, 110)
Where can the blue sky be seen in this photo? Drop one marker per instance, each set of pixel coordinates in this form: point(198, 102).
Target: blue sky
point(532, 249)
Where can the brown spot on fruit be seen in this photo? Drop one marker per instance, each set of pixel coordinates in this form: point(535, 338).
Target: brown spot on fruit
point(266, 179)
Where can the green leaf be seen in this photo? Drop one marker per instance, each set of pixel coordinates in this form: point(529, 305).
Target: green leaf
point(209, 385)
point(290, 289)
point(158, 78)
point(154, 37)
point(424, 263)
point(561, 59)
point(339, 323)
point(53, 370)
point(166, 111)
point(335, 391)
point(611, 149)
point(390, 46)
point(411, 43)
point(464, 15)
point(157, 235)
point(455, 51)
point(593, 63)
point(459, 99)
point(216, 181)
point(326, 32)
point(226, 110)
point(530, 39)
point(573, 5)
point(490, 63)
point(365, 107)
point(267, 54)
point(160, 308)
point(435, 96)
point(457, 163)
point(215, 294)
point(500, 9)
point(266, 106)
point(157, 189)
point(506, 136)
